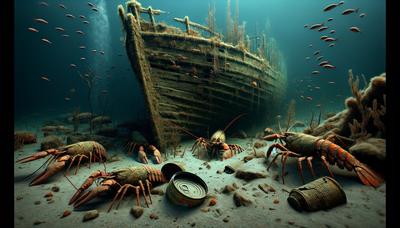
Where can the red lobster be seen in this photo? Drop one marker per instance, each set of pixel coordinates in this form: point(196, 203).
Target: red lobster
point(304, 146)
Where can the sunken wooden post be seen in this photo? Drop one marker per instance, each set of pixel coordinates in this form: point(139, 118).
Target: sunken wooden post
point(153, 21)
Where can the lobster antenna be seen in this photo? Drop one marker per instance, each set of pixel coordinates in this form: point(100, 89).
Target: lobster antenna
point(279, 126)
point(232, 121)
point(185, 130)
point(70, 182)
point(44, 163)
point(319, 117)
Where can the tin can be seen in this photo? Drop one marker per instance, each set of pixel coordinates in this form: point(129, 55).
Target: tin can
point(320, 194)
point(186, 189)
point(171, 168)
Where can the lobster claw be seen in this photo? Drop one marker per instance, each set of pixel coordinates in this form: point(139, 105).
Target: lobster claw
point(88, 182)
point(50, 171)
point(156, 153)
point(37, 155)
point(272, 137)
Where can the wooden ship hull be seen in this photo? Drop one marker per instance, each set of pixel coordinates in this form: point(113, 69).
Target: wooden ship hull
point(192, 82)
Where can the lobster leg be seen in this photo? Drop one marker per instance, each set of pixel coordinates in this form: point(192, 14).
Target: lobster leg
point(300, 168)
point(148, 190)
point(125, 189)
point(273, 160)
point(50, 170)
point(144, 193)
point(80, 159)
point(309, 164)
point(284, 158)
point(70, 164)
point(326, 165)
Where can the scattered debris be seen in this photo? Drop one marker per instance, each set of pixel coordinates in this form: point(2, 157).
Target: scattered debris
point(258, 145)
point(55, 188)
point(248, 175)
point(157, 191)
point(229, 169)
point(276, 201)
point(137, 211)
point(226, 219)
point(19, 197)
point(228, 189)
point(90, 215)
point(38, 222)
point(213, 201)
point(241, 199)
point(153, 216)
point(66, 213)
point(37, 202)
point(205, 209)
point(49, 194)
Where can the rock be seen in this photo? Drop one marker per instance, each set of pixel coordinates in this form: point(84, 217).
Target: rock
point(276, 201)
point(219, 171)
point(290, 222)
point(37, 202)
point(229, 169)
point(153, 216)
point(258, 145)
point(137, 211)
point(157, 191)
point(51, 142)
point(38, 222)
point(241, 199)
point(248, 175)
point(228, 189)
point(248, 158)
point(49, 194)
point(19, 197)
point(55, 189)
point(90, 215)
point(66, 213)
point(192, 224)
point(205, 209)
point(208, 166)
point(235, 185)
point(257, 194)
point(226, 219)
point(213, 201)
point(25, 137)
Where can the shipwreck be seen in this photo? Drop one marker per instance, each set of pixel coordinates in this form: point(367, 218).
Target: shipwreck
point(194, 79)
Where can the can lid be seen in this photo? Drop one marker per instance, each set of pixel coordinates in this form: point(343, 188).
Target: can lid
point(170, 169)
point(295, 203)
point(190, 185)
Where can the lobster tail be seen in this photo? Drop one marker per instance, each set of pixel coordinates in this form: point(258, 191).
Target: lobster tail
point(367, 176)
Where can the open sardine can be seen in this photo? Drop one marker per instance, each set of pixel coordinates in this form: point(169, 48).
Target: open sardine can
point(323, 193)
point(186, 189)
point(171, 168)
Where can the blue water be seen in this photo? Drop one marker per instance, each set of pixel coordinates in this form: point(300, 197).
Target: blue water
point(363, 52)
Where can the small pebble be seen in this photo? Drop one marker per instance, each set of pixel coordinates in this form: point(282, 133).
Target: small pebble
point(153, 216)
point(55, 189)
point(19, 197)
point(213, 201)
point(37, 202)
point(290, 222)
point(226, 219)
point(192, 224)
point(49, 194)
point(66, 213)
point(276, 201)
point(37, 222)
point(90, 215)
point(205, 209)
point(51, 201)
point(137, 211)
point(157, 191)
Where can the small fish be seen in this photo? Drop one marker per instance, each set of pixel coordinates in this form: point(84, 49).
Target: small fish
point(43, 4)
point(330, 19)
point(315, 72)
point(317, 87)
point(332, 44)
point(45, 78)
point(41, 20)
point(322, 28)
point(60, 29)
point(83, 58)
point(306, 26)
point(309, 98)
point(330, 39)
point(82, 17)
point(62, 6)
point(307, 58)
point(101, 52)
point(65, 35)
point(332, 31)
point(315, 26)
point(85, 22)
point(82, 47)
point(95, 9)
point(349, 11)
point(330, 7)
point(310, 45)
point(67, 98)
point(316, 52)
point(323, 62)
point(323, 37)
point(72, 65)
point(363, 15)
point(46, 41)
point(355, 29)
point(331, 82)
point(320, 57)
point(94, 50)
point(33, 30)
point(340, 3)
point(328, 66)
point(80, 32)
point(302, 97)
point(70, 15)
point(90, 4)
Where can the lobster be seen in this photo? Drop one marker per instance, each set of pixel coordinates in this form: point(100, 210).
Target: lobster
point(90, 150)
point(306, 147)
point(136, 177)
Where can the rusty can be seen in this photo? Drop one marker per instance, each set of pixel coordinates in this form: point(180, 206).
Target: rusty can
point(320, 194)
point(186, 189)
point(171, 168)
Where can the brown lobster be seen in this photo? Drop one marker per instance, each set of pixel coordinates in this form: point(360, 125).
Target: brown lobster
point(90, 150)
point(138, 178)
point(306, 147)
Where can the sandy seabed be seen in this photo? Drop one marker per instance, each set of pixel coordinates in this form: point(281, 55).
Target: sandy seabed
point(365, 207)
